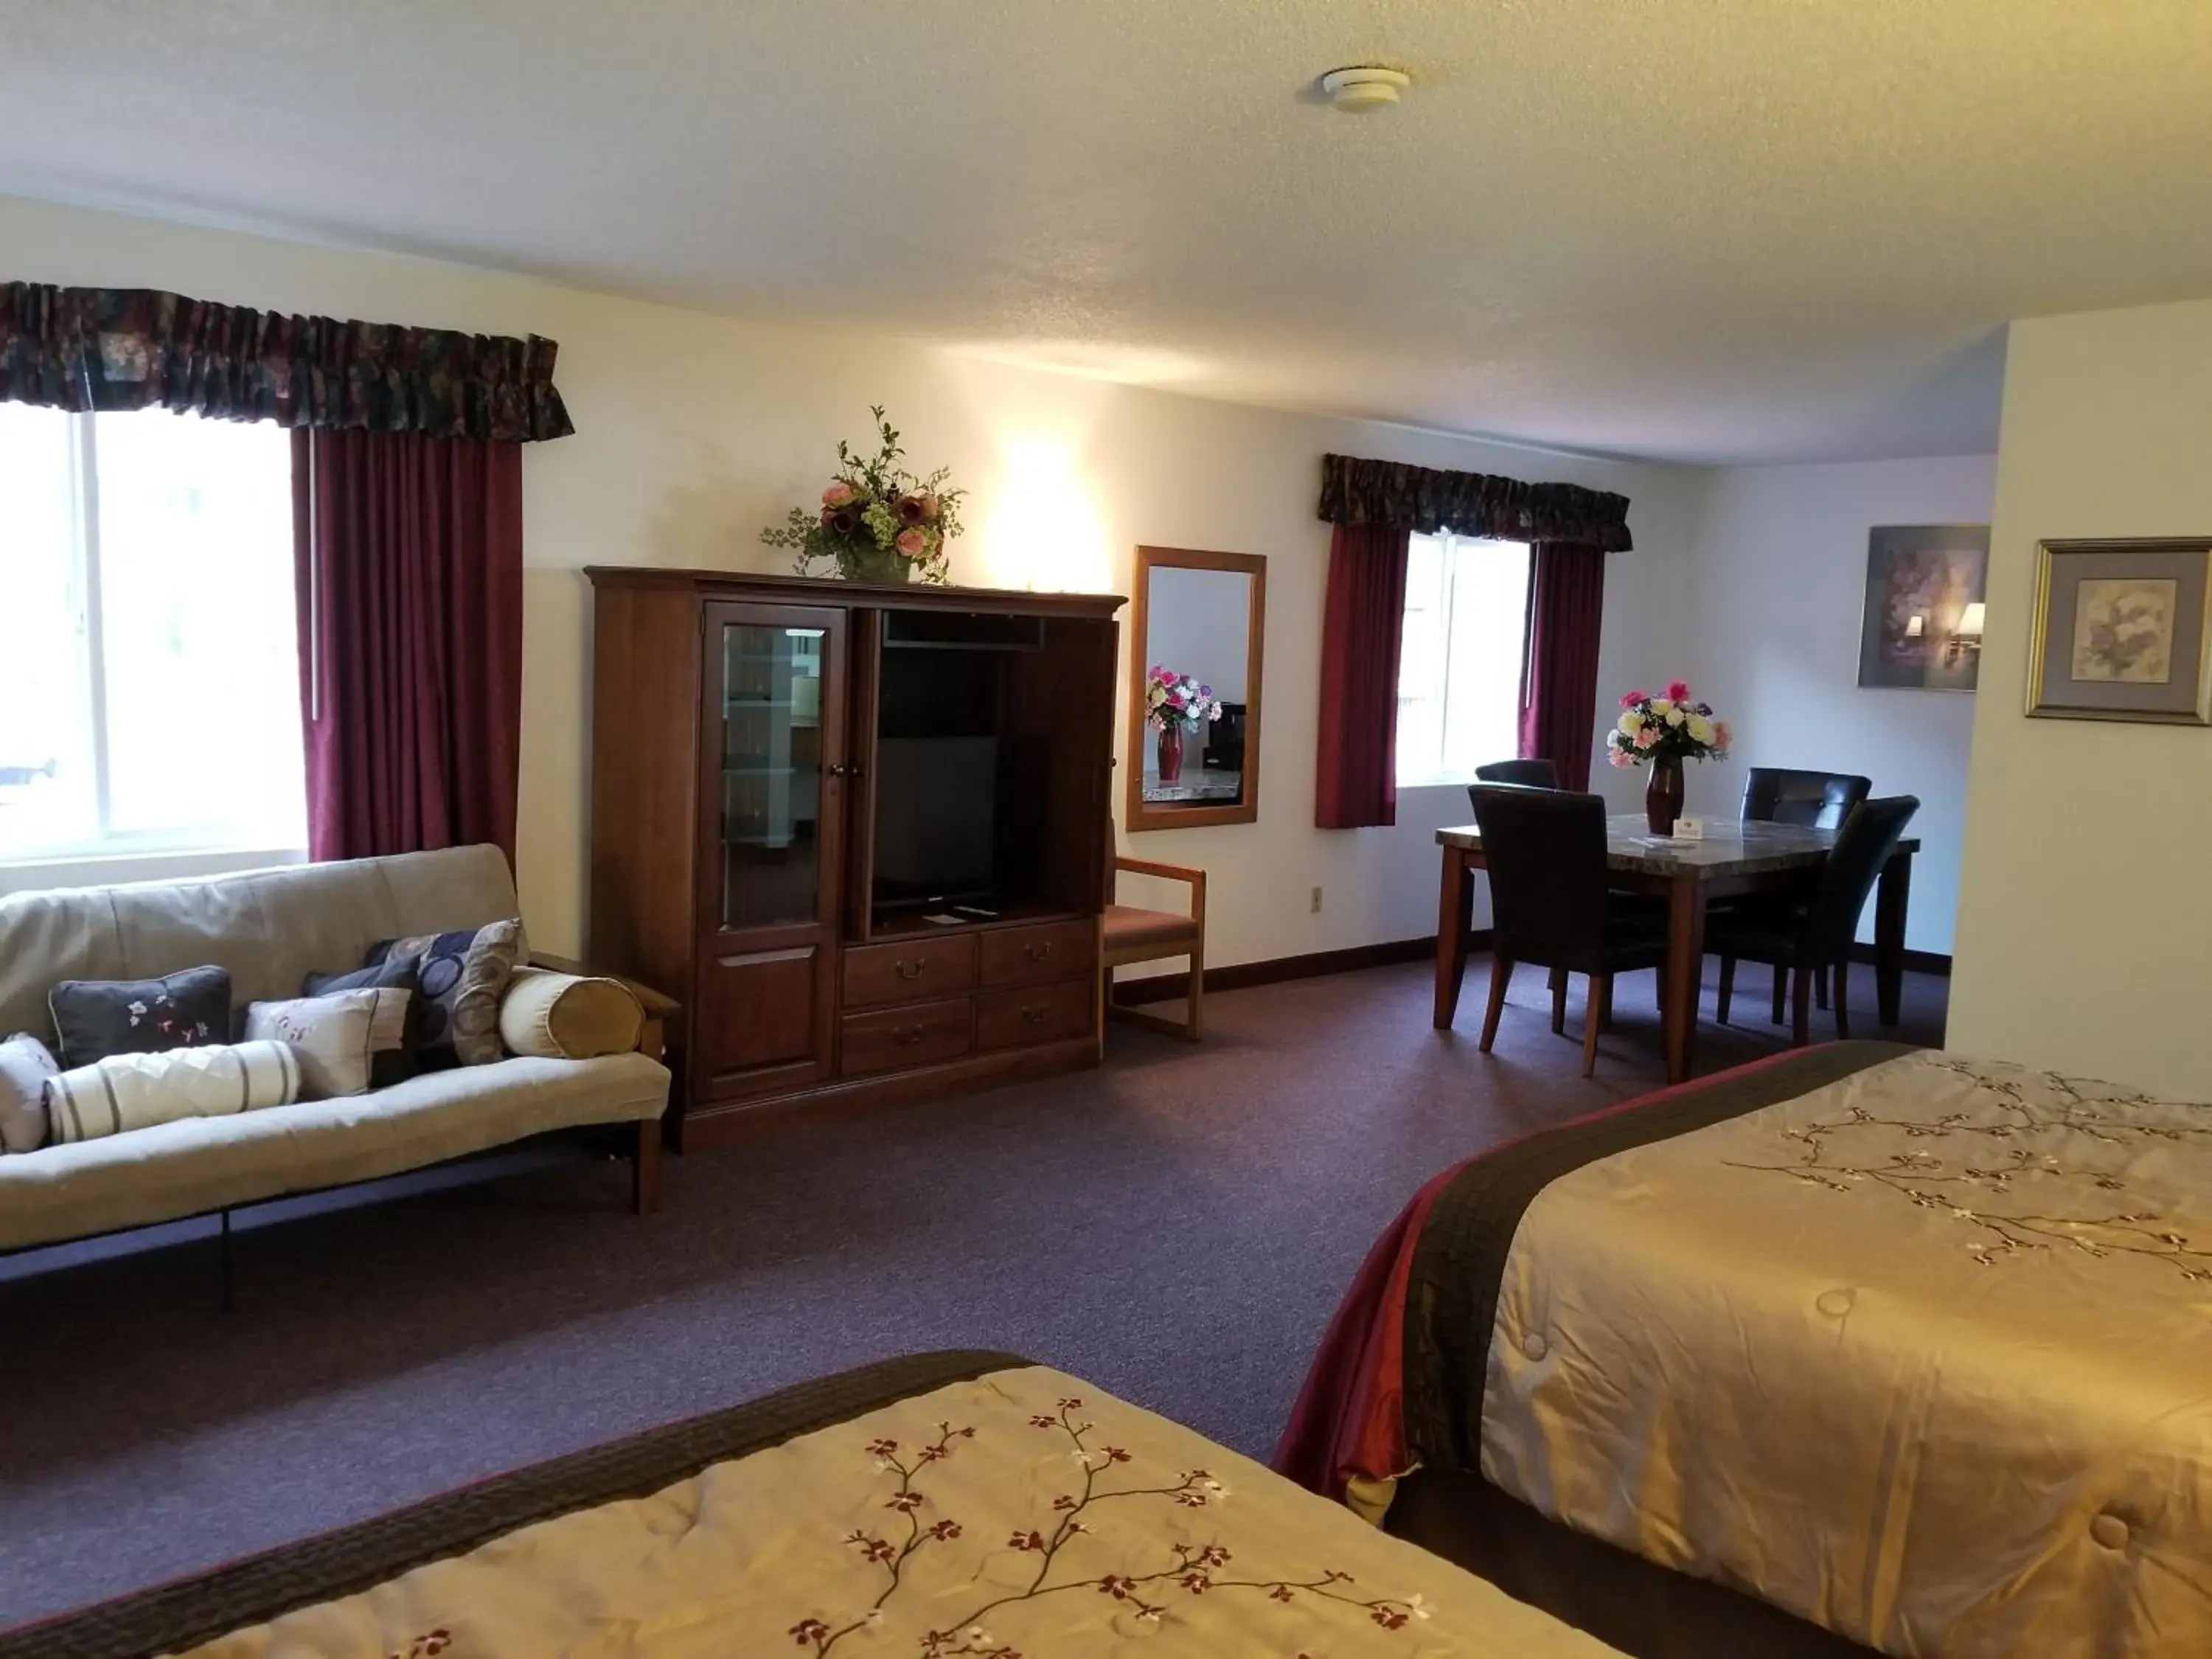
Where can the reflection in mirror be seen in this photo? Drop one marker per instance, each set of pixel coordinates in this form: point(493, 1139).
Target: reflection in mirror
point(1194, 690)
point(1194, 731)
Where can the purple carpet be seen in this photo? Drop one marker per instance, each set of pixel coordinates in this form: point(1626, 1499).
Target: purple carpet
point(1175, 1227)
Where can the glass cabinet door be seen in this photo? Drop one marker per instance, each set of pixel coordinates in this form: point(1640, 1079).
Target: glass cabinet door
point(774, 765)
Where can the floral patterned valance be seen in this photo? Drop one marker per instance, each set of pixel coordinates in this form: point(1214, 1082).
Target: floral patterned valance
point(1356, 491)
point(135, 348)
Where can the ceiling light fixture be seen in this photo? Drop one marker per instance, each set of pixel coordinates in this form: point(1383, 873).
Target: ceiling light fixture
point(1363, 87)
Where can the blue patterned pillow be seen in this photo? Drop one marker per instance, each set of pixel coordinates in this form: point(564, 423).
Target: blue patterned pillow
point(461, 977)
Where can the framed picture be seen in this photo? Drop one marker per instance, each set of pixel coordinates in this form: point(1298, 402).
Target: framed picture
point(1921, 627)
point(2123, 631)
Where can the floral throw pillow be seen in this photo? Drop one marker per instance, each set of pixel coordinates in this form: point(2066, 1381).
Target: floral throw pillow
point(460, 978)
point(97, 1018)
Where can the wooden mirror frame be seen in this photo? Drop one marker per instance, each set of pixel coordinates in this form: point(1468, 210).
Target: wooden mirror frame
point(1137, 813)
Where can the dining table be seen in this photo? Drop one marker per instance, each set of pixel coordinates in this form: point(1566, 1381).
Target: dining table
point(1728, 861)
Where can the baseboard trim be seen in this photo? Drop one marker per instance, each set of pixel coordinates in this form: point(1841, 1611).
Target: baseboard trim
point(1915, 962)
point(1241, 976)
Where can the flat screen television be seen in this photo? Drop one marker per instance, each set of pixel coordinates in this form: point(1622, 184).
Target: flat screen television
point(936, 820)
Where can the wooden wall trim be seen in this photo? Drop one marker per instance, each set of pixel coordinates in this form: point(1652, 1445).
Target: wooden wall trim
point(1236, 976)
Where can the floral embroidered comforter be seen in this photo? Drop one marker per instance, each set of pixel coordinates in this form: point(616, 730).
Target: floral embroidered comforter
point(1019, 1514)
point(1916, 1346)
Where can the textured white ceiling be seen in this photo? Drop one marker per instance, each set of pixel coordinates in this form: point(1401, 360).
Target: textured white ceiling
point(1701, 230)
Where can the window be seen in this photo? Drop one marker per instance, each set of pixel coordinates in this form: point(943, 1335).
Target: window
point(151, 699)
point(1459, 667)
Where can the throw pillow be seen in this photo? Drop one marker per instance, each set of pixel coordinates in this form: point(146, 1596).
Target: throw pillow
point(396, 1032)
point(25, 1065)
point(330, 1037)
point(462, 975)
point(568, 1016)
point(99, 1018)
point(137, 1092)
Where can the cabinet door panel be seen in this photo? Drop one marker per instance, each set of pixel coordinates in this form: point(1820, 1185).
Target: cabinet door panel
point(772, 828)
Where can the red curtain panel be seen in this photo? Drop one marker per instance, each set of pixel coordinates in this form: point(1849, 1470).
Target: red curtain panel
point(408, 555)
point(1559, 711)
point(1356, 781)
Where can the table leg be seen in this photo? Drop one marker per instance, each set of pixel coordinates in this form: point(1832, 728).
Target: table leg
point(1685, 960)
point(1890, 900)
point(1455, 911)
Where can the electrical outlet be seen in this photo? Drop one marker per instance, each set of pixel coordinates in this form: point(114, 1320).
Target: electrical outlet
point(1317, 901)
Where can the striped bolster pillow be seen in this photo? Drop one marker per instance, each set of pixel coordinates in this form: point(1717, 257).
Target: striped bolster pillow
point(135, 1092)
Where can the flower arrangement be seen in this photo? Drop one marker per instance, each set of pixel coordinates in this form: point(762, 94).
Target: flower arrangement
point(1177, 701)
point(1667, 727)
point(877, 521)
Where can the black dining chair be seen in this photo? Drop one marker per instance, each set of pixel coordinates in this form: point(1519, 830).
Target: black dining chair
point(1521, 773)
point(1817, 801)
point(1546, 851)
point(1528, 773)
point(1814, 938)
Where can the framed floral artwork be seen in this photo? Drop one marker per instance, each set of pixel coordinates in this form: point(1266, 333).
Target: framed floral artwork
point(2123, 631)
point(1921, 628)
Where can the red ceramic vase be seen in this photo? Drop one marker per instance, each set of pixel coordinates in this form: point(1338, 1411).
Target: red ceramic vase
point(1662, 796)
point(1171, 754)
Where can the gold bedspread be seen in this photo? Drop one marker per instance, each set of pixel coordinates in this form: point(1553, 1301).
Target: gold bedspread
point(1924, 1356)
point(1023, 1513)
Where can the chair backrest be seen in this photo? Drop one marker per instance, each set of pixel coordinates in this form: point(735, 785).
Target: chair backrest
point(1868, 836)
point(1545, 852)
point(1530, 773)
point(1817, 801)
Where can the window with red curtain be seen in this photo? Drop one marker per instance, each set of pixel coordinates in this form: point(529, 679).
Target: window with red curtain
point(1376, 508)
point(409, 594)
point(1356, 781)
point(1566, 608)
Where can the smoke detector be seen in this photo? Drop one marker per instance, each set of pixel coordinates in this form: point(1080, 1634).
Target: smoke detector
point(1364, 88)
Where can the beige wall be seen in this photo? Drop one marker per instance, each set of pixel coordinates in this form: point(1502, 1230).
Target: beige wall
point(694, 430)
point(1778, 586)
point(2085, 926)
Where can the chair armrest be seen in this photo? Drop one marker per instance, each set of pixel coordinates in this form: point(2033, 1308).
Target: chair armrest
point(1170, 872)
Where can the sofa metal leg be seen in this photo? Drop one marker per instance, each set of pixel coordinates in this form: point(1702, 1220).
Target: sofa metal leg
point(229, 1300)
point(645, 1169)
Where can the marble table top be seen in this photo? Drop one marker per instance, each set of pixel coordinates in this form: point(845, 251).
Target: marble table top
point(1729, 847)
point(1197, 783)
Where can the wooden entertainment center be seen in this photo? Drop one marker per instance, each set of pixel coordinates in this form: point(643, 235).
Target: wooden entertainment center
point(861, 830)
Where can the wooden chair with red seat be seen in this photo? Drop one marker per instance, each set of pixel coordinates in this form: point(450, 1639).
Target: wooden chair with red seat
point(1130, 935)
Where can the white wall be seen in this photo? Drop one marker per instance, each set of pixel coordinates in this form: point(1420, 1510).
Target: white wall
point(1777, 581)
point(2085, 928)
point(694, 431)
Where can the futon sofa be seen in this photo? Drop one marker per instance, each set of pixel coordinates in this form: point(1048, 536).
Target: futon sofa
point(271, 928)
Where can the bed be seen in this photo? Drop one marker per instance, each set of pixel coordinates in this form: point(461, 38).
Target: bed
point(1861, 1348)
point(945, 1504)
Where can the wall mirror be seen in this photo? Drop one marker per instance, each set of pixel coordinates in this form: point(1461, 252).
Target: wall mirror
point(1194, 639)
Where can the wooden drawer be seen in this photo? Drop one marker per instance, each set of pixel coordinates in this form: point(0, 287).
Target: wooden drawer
point(1029, 956)
point(896, 1039)
point(910, 970)
point(1036, 1013)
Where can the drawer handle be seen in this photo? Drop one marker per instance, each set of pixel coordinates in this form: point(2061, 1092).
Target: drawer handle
point(910, 969)
point(907, 1035)
point(1035, 1011)
point(1038, 952)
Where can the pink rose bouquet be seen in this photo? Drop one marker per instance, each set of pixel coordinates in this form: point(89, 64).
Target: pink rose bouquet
point(1669, 727)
